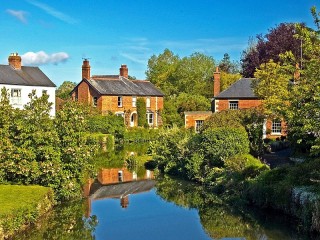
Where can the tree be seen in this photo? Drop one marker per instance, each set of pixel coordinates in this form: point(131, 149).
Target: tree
point(194, 75)
point(227, 66)
point(272, 86)
point(64, 90)
point(160, 71)
point(278, 40)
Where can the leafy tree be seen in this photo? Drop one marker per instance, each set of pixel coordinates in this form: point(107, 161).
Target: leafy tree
point(160, 71)
point(225, 65)
point(272, 86)
point(194, 75)
point(227, 79)
point(64, 90)
point(278, 40)
point(142, 112)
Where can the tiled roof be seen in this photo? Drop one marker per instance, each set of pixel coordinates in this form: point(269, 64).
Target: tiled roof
point(26, 76)
point(240, 89)
point(112, 85)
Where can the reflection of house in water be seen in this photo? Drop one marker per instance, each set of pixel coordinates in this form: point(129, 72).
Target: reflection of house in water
point(116, 175)
point(117, 183)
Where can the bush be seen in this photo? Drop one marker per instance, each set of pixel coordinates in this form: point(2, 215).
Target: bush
point(218, 144)
point(108, 124)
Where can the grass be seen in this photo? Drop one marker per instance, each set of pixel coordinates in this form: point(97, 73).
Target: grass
point(13, 197)
point(22, 205)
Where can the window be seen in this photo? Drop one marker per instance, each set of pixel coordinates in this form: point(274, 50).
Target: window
point(198, 126)
point(95, 101)
point(148, 102)
point(276, 127)
point(119, 101)
point(233, 105)
point(120, 114)
point(134, 101)
point(150, 118)
point(16, 96)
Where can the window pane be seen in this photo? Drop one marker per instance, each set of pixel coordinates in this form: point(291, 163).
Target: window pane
point(276, 127)
point(199, 124)
point(119, 101)
point(233, 105)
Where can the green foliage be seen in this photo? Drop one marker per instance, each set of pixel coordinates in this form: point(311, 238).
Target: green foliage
point(251, 119)
point(66, 221)
point(187, 83)
point(107, 124)
point(168, 150)
point(22, 205)
point(37, 149)
point(227, 79)
point(272, 87)
point(225, 65)
point(65, 89)
point(142, 112)
point(140, 134)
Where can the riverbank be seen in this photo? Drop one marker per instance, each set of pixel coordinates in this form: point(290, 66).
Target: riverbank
point(22, 206)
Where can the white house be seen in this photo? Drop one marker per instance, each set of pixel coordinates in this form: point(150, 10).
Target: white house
point(21, 80)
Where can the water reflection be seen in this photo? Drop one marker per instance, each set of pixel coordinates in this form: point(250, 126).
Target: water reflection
point(125, 201)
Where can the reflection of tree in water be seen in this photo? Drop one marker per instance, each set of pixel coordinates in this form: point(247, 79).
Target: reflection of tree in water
point(218, 219)
point(64, 222)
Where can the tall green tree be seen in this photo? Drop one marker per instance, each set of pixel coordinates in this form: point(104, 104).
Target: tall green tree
point(194, 75)
point(142, 112)
point(227, 66)
point(160, 71)
point(64, 90)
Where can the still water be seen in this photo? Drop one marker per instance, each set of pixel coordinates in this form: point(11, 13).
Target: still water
point(125, 201)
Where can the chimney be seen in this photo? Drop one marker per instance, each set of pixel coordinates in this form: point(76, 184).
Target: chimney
point(15, 60)
point(86, 69)
point(216, 83)
point(124, 71)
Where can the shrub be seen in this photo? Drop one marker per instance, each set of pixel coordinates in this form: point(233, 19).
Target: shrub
point(108, 124)
point(142, 112)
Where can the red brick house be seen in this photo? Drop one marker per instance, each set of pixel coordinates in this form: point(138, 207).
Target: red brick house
point(118, 94)
point(240, 95)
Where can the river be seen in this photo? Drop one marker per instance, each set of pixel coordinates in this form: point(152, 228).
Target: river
point(126, 201)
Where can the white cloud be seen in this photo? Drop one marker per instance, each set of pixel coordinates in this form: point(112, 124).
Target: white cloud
point(42, 58)
point(20, 15)
point(53, 12)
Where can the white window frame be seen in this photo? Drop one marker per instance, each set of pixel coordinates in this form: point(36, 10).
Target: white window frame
point(150, 118)
point(15, 97)
point(121, 114)
point(148, 102)
point(276, 127)
point(197, 125)
point(134, 101)
point(234, 104)
point(120, 99)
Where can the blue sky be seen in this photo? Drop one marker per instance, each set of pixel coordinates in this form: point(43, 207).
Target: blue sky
point(56, 35)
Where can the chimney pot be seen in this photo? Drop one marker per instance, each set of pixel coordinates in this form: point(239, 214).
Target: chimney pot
point(124, 71)
point(15, 60)
point(86, 69)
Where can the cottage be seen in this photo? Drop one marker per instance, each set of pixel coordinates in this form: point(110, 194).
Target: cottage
point(118, 94)
point(20, 81)
point(240, 95)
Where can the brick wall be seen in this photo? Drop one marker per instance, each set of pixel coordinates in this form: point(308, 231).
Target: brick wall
point(190, 119)
point(223, 104)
